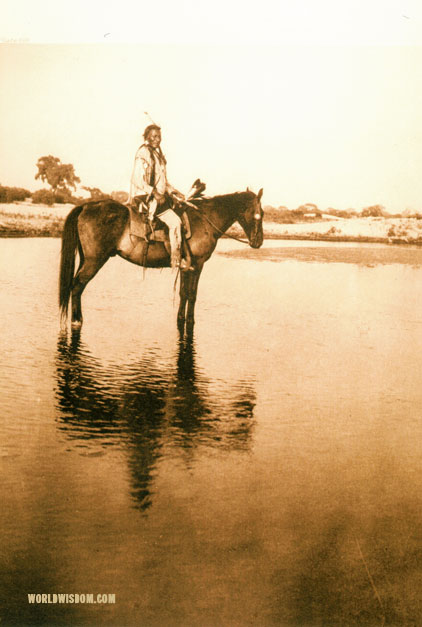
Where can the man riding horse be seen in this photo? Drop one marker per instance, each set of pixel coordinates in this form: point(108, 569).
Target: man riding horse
point(98, 230)
point(150, 188)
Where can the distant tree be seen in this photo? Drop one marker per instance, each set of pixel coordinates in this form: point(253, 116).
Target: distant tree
point(281, 215)
point(374, 211)
point(308, 207)
point(60, 176)
point(95, 193)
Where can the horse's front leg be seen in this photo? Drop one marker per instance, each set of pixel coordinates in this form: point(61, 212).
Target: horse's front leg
point(192, 293)
point(183, 291)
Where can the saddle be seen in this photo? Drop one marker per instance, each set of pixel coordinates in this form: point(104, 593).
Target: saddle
point(140, 226)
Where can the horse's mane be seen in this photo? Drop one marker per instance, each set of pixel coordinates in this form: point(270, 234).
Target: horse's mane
point(223, 199)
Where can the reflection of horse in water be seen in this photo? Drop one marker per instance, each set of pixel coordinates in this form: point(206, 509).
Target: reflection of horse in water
point(146, 406)
point(101, 229)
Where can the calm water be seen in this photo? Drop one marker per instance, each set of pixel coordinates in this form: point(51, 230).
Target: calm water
point(267, 473)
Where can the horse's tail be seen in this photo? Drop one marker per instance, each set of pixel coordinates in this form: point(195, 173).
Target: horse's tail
point(70, 242)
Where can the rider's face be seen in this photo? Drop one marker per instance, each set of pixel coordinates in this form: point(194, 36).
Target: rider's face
point(154, 138)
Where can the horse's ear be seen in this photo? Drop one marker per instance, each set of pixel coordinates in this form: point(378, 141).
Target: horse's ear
point(247, 189)
point(261, 191)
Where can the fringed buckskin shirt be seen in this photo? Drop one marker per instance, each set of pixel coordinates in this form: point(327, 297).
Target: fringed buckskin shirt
point(149, 173)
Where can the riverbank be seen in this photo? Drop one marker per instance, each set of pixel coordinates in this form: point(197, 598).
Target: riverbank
point(367, 230)
point(25, 219)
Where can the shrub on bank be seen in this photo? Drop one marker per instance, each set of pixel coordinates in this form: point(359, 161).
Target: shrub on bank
point(282, 215)
point(13, 194)
point(60, 198)
point(44, 197)
point(375, 211)
point(341, 213)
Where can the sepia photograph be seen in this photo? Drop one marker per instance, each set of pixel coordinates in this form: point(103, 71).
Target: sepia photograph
point(211, 290)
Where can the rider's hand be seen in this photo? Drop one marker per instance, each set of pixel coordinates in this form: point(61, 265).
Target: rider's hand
point(178, 195)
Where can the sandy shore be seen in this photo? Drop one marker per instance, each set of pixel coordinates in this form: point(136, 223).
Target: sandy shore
point(383, 230)
point(25, 219)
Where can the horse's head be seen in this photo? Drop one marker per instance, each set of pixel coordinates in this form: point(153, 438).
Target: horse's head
point(250, 218)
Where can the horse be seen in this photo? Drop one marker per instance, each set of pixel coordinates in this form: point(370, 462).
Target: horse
point(100, 229)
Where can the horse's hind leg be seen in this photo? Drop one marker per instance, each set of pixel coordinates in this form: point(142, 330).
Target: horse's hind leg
point(86, 272)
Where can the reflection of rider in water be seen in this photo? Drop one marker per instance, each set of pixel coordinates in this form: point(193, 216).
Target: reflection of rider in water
point(149, 185)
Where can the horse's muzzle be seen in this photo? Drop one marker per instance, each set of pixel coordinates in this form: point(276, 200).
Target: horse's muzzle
point(256, 239)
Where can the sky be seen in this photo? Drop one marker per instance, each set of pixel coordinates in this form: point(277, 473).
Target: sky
point(316, 102)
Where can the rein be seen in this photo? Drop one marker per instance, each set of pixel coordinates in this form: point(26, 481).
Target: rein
point(203, 215)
